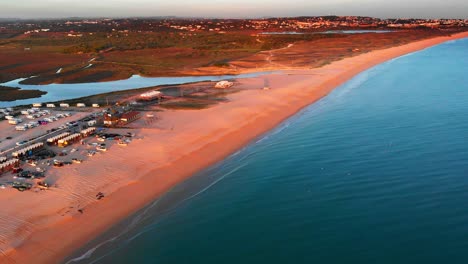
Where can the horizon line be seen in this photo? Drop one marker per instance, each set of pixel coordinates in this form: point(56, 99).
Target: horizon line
point(213, 17)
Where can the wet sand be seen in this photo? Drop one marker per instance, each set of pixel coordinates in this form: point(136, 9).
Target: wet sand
point(46, 227)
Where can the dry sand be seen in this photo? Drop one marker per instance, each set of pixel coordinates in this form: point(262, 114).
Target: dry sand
point(45, 227)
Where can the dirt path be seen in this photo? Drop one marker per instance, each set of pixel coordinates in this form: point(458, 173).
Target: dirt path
point(271, 54)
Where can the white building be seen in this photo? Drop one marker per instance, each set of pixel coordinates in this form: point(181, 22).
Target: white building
point(151, 95)
point(224, 84)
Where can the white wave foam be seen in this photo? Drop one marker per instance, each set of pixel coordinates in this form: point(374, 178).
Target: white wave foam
point(138, 219)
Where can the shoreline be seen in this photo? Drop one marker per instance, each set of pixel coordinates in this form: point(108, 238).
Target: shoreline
point(254, 112)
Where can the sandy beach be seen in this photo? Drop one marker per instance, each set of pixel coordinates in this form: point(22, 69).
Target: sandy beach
point(46, 227)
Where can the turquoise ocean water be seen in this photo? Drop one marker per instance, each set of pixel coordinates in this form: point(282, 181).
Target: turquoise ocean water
point(376, 172)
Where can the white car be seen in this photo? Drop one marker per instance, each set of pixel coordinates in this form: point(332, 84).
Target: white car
point(21, 128)
point(101, 148)
point(21, 143)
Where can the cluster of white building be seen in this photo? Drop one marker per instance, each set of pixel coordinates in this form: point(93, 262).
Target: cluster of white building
point(65, 105)
point(37, 31)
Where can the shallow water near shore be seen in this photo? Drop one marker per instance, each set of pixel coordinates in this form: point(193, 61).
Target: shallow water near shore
point(357, 31)
point(64, 91)
point(376, 172)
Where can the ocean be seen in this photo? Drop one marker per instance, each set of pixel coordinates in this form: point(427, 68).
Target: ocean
point(376, 172)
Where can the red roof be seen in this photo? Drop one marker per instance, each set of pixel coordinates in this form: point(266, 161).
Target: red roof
point(130, 115)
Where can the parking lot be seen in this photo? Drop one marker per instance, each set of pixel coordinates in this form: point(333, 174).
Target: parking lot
point(35, 168)
point(9, 136)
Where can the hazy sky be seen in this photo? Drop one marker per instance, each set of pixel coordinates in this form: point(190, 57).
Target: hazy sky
point(233, 8)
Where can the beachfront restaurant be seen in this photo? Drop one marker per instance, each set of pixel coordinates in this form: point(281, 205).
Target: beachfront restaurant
point(69, 140)
point(129, 117)
point(111, 119)
point(55, 139)
point(27, 151)
point(8, 165)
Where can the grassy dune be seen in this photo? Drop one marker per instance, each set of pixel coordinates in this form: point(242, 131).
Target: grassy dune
point(8, 94)
point(105, 57)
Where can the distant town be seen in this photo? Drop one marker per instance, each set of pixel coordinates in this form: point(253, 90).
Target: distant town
point(76, 27)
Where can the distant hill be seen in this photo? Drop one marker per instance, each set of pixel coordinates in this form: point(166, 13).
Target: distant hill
point(6, 19)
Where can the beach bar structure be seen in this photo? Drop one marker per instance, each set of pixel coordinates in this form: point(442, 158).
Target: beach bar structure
point(27, 151)
point(88, 132)
point(55, 139)
point(8, 165)
point(69, 140)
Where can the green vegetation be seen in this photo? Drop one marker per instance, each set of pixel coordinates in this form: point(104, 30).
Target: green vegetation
point(120, 54)
point(187, 104)
point(223, 63)
point(96, 42)
point(8, 94)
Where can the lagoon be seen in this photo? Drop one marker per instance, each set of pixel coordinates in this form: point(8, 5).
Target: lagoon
point(59, 92)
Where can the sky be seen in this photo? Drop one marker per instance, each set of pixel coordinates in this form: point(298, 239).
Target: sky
point(233, 8)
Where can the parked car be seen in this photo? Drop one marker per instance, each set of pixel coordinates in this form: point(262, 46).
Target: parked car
point(21, 143)
point(17, 170)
